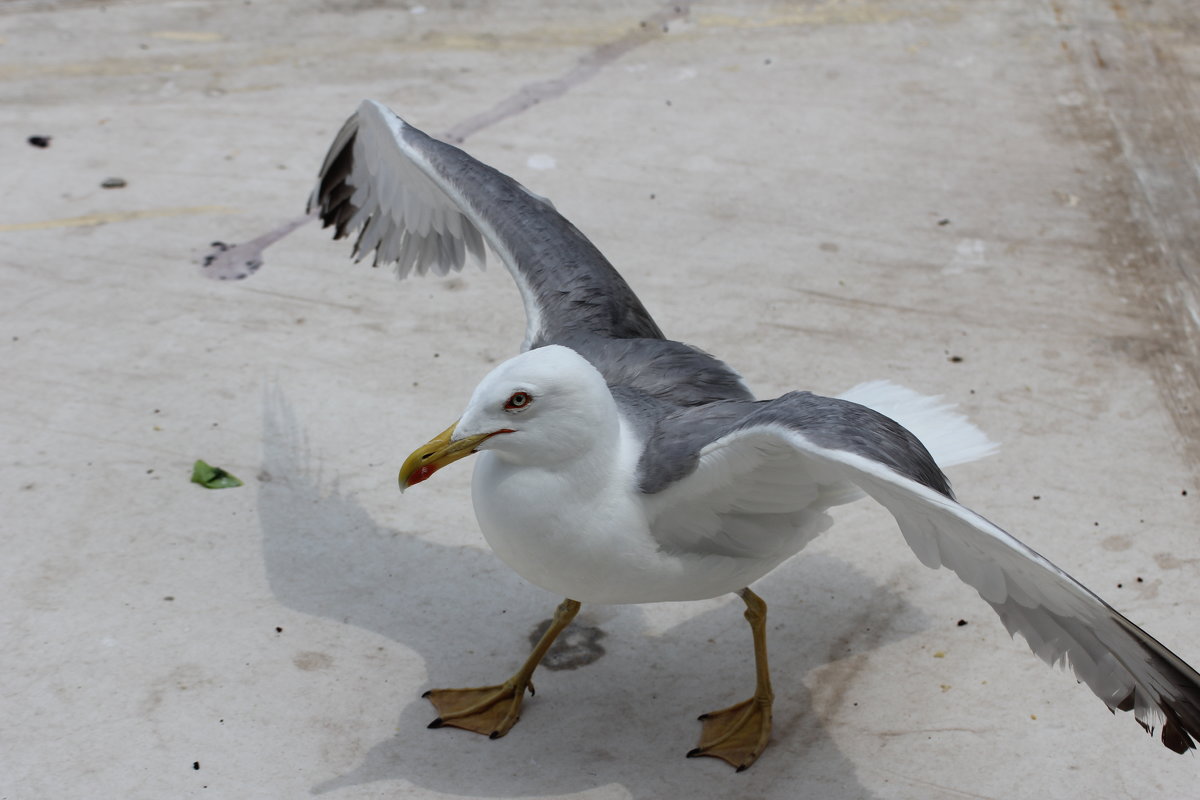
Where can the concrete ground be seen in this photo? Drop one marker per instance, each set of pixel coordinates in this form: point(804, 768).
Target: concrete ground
point(996, 202)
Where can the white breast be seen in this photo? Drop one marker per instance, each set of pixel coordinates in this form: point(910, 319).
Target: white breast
point(586, 536)
point(582, 536)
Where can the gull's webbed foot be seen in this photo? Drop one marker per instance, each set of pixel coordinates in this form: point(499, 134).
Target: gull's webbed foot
point(493, 710)
point(490, 710)
point(737, 734)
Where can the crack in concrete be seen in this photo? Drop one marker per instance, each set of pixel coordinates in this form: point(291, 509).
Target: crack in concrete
point(239, 261)
point(588, 66)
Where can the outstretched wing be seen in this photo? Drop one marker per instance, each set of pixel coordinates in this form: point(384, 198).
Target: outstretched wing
point(804, 452)
point(424, 205)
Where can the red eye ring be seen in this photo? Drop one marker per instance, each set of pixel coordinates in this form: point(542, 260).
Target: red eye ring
point(518, 401)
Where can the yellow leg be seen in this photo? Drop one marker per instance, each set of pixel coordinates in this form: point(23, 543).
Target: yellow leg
point(739, 734)
point(493, 710)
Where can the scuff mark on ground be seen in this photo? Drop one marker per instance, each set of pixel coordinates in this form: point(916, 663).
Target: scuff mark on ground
point(1138, 106)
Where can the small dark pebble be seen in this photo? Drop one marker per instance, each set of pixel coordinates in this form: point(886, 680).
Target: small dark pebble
point(1037, 497)
point(955, 359)
point(170, 598)
point(1139, 580)
point(1120, 586)
point(39, 141)
point(1184, 493)
point(961, 622)
point(112, 183)
point(195, 765)
point(278, 629)
point(943, 222)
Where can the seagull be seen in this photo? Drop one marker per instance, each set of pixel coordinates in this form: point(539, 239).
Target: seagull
point(618, 466)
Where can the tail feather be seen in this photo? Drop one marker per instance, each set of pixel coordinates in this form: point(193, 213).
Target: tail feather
point(948, 436)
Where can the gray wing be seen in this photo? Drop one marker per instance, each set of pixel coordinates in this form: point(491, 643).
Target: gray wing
point(424, 205)
point(803, 453)
point(680, 440)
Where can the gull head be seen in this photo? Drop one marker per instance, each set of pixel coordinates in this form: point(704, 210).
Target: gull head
point(541, 408)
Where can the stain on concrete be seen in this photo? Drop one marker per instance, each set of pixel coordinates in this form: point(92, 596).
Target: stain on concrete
point(1116, 543)
point(312, 660)
point(847, 655)
point(181, 678)
point(226, 262)
point(577, 646)
point(1169, 561)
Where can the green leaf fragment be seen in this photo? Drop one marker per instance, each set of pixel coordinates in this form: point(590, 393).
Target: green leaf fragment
point(211, 477)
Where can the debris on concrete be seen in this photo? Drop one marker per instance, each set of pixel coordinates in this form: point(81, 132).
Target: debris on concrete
point(211, 477)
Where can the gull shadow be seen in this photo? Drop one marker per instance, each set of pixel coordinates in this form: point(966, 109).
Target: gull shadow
point(626, 718)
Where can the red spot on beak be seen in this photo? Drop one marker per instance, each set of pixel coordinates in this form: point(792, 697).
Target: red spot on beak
point(423, 472)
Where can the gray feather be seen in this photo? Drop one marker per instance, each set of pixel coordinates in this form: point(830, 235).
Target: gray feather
point(673, 450)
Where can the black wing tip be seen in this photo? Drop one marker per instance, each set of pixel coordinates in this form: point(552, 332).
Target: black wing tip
point(1178, 701)
point(331, 198)
point(1177, 739)
point(1174, 735)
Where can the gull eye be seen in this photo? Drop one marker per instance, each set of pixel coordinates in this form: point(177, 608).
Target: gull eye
point(517, 401)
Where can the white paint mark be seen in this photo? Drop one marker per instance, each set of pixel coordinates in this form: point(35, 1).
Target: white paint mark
point(541, 161)
point(418, 10)
point(968, 254)
point(686, 74)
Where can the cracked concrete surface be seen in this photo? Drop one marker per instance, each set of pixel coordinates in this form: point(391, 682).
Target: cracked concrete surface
point(993, 202)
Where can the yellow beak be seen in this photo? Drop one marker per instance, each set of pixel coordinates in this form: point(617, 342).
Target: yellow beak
point(437, 453)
